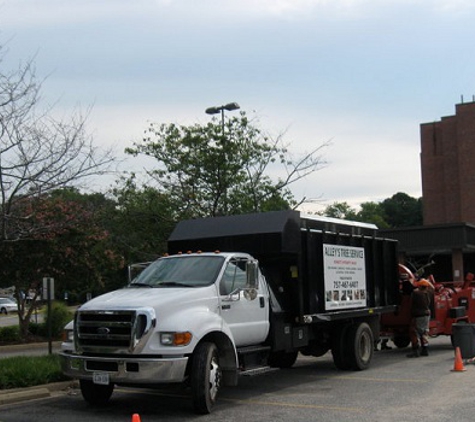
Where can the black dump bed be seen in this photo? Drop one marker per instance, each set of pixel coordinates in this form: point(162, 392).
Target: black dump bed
point(315, 266)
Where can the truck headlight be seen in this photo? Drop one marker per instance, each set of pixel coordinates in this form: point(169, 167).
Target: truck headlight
point(175, 338)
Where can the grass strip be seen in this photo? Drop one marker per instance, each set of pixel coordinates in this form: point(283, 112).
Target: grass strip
point(29, 371)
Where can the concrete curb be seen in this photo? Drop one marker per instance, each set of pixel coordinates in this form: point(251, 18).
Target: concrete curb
point(38, 392)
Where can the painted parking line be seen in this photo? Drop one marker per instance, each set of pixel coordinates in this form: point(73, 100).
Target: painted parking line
point(296, 405)
point(290, 404)
point(405, 380)
point(159, 393)
point(250, 401)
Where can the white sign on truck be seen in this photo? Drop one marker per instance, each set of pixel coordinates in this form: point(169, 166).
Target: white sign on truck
point(345, 277)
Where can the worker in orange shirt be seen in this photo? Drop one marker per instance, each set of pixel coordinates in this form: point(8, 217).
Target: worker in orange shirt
point(421, 299)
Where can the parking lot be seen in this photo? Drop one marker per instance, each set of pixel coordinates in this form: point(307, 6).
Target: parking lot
point(394, 388)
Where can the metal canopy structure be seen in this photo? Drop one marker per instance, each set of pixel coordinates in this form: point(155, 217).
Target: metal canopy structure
point(451, 246)
point(442, 238)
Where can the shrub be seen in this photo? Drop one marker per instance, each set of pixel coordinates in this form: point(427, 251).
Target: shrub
point(9, 334)
point(37, 329)
point(60, 316)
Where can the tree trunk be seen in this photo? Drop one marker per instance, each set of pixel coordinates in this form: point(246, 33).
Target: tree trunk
point(24, 324)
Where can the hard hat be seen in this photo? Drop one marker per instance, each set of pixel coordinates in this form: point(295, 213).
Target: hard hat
point(423, 283)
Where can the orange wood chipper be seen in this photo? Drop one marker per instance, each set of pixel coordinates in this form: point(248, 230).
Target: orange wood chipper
point(453, 302)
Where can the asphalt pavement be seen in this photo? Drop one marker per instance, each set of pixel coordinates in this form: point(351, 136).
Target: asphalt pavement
point(392, 389)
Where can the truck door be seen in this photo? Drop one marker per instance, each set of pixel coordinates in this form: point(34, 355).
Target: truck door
point(246, 315)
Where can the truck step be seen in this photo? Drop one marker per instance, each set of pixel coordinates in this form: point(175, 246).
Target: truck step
point(257, 371)
point(252, 349)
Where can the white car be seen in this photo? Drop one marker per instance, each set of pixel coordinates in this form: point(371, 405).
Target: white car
point(7, 305)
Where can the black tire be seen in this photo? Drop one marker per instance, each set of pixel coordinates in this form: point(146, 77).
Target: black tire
point(283, 359)
point(206, 377)
point(339, 348)
point(360, 346)
point(94, 394)
point(4, 311)
point(401, 341)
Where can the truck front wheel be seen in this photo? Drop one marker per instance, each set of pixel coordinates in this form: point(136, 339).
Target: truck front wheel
point(94, 394)
point(205, 377)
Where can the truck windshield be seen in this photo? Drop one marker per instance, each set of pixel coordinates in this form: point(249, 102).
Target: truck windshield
point(183, 271)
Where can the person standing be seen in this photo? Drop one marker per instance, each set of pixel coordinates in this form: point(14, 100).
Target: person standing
point(421, 299)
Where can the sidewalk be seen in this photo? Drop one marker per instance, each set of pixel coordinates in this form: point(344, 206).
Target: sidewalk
point(28, 349)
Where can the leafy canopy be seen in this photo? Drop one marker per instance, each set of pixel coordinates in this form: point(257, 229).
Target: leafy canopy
point(220, 169)
point(400, 210)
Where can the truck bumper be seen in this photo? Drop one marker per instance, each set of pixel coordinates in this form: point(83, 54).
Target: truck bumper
point(133, 370)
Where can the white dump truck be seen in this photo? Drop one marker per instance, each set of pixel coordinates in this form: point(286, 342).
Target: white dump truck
point(236, 295)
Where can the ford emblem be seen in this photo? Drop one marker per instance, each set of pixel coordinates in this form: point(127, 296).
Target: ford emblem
point(103, 330)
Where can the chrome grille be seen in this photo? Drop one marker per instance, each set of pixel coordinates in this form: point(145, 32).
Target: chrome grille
point(117, 331)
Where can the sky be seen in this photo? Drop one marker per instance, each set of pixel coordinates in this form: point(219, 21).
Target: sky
point(359, 74)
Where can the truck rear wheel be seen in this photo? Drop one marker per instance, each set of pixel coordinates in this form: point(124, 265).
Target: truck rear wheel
point(205, 377)
point(94, 394)
point(360, 346)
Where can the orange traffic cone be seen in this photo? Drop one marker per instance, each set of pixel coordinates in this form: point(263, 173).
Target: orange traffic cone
point(135, 417)
point(458, 363)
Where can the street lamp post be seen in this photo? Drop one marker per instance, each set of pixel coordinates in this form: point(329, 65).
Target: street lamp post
point(216, 110)
point(220, 109)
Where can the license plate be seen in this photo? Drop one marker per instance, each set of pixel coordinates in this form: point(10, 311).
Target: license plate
point(101, 378)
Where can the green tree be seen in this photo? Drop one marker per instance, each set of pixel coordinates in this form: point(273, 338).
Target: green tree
point(372, 212)
point(223, 169)
point(341, 210)
point(142, 222)
point(73, 249)
point(86, 256)
point(402, 210)
point(39, 154)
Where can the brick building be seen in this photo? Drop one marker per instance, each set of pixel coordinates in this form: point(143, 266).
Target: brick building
point(448, 192)
point(448, 167)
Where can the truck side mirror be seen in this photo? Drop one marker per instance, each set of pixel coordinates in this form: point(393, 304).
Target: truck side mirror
point(252, 275)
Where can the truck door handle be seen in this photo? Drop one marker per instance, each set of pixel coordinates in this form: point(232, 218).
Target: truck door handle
point(226, 307)
point(262, 302)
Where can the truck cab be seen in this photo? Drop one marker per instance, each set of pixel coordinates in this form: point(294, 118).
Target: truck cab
point(149, 331)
